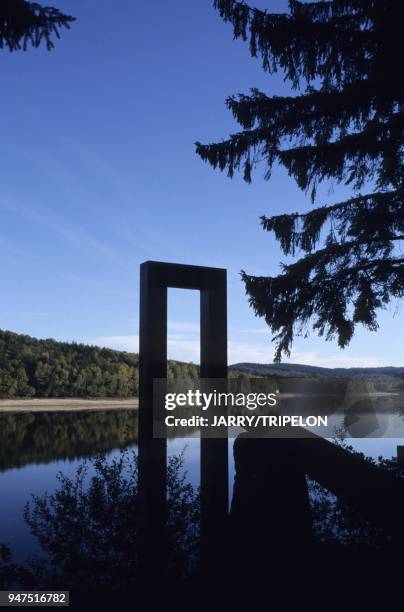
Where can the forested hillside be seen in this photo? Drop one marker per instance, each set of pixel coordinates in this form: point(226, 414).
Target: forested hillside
point(47, 368)
point(303, 370)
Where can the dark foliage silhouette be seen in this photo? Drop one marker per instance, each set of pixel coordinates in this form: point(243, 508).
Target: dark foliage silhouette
point(345, 125)
point(88, 529)
point(23, 23)
point(336, 520)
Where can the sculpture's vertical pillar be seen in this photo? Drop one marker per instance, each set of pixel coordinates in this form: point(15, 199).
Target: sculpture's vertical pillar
point(214, 451)
point(400, 456)
point(152, 451)
point(155, 278)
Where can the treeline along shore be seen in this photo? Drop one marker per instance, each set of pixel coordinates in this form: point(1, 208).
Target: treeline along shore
point(33, 369)
point(48, 369)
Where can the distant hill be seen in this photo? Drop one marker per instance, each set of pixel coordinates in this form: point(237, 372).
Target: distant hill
point(300, 370)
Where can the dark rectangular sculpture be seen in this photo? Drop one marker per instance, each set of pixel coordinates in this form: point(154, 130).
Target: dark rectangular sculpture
point(155, 279)
point(400, 456)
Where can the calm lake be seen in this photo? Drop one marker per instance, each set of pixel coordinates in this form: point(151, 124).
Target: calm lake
point(35, 447)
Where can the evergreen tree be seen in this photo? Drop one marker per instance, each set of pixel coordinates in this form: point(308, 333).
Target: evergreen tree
point(345, 124)
point(24, 22)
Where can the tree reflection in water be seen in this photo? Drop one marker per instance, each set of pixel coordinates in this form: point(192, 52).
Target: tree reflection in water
point(88, 529)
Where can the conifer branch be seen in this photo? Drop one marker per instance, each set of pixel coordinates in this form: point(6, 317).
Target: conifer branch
point(349, 129)
point(373, 217)
point(23, 23)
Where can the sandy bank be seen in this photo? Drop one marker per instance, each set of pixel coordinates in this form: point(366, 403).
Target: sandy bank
point(66, 405)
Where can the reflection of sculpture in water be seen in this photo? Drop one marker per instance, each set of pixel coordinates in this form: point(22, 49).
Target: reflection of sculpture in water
point(270, 513)
point(271, 519)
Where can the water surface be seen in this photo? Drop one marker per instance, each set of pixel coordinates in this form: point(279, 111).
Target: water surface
point(35, 447)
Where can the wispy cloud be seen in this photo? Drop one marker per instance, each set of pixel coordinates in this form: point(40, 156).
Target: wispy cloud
point(120, 343)
point(182, 327)
point(262, 331)
point(338, 360)
point(15, 255)
point(29, 313)
point(74, 235)
point(185, 349)
point(180, 348)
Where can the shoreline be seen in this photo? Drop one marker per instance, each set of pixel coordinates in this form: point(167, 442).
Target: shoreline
point(66, 404)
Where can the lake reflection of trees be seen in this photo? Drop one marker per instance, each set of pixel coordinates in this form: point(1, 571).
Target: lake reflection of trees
point(48, 436)
point(88, 531)
point(44, 437)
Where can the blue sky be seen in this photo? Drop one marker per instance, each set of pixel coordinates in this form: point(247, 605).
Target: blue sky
point(99, 174)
